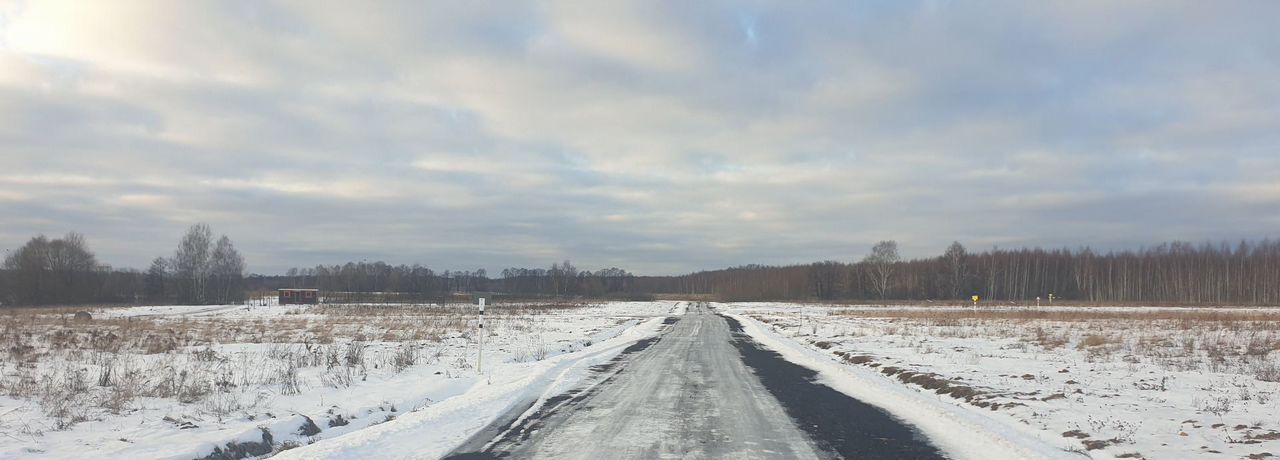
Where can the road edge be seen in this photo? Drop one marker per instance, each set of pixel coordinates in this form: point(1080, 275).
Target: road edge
point(451, 422)
point(958, 432)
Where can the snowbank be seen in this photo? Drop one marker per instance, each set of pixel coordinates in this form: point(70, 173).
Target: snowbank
point(958, 431)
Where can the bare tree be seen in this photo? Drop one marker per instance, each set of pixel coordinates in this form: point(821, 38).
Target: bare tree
point(47, 271)
point(882, 261)
point(191, 264)
point(563, 277)
point(826, 278)
point(226, 268)
point(157, 274)
point(954, 258)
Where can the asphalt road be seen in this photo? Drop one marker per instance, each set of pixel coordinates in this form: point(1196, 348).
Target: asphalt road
point(702, 390)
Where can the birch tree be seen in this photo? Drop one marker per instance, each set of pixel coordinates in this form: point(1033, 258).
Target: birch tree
point(954, 258)
point(882, 261)
point(226, 268)
point(191, 264)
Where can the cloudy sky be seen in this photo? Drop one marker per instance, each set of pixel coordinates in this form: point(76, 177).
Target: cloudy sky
point(661, 137)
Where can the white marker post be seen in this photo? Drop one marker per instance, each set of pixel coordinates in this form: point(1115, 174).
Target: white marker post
point(480, 352)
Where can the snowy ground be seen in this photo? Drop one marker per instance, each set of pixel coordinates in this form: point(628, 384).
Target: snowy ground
point(400, 381)
point(179, 382)
point(1057, 382)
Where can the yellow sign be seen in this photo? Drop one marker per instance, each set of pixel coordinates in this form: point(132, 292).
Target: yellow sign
point(975, 299)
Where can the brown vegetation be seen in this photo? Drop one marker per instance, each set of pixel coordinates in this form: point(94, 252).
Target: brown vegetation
point(1070, 314)
point(72, 368)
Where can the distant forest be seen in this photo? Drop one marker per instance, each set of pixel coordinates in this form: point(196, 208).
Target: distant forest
point(203, 270)
point(64, 271)
point(381, 281)
point(1244, 273)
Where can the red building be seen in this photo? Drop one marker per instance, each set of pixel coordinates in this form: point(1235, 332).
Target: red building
point(299, 296)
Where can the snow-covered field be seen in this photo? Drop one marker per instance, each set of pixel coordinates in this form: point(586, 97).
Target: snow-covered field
point(1085, 382)
point(182, 382)
point(396, 381)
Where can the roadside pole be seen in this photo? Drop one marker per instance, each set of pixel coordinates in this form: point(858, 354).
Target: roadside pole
point(480, 350)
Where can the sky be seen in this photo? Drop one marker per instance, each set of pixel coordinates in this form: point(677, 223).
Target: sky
point(661, 137)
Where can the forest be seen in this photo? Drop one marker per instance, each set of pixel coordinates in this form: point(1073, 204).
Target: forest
point(1179, 272)
point(374, 281)
point(64, 271)
point(203, 270)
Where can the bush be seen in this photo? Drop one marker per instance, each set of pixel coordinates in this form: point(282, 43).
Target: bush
point(1267, 372)
point(405, 357)
point(1094, 340)
point(289, 380)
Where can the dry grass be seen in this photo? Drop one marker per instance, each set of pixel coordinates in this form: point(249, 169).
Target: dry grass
point(1156, 314)
point(1205, 361)
point(1031, 303)
point(1244, 342)
point(73, 368)
point(1097, 340)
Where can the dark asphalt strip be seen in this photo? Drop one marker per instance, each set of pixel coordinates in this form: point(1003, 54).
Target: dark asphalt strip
point(836, 422)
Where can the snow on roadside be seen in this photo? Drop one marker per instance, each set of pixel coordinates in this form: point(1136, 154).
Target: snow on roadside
point(236, 362)
point(435, 430)
point(961, 433)
point(1132, 383)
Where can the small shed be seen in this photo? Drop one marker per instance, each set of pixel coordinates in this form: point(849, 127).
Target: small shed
point(299, 296)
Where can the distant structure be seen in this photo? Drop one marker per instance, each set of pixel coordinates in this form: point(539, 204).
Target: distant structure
point(299, 296)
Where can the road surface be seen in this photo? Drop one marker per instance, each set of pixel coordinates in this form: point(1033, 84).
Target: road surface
point(701, 390)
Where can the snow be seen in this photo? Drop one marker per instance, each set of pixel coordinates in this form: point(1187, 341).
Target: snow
point(436, 402)
point(435, 430)
point(1156, 388)
point(685, 396)
point(1160, 388)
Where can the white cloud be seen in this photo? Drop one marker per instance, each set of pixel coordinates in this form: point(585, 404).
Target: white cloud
point(633, 33)
point(488, 134)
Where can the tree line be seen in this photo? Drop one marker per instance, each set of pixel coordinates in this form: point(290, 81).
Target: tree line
point(564, 279)
point(409, 282)
point(64, 271)
point(373, 281)
point(48, 271)
point(1178, 272)
point(208, 270)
